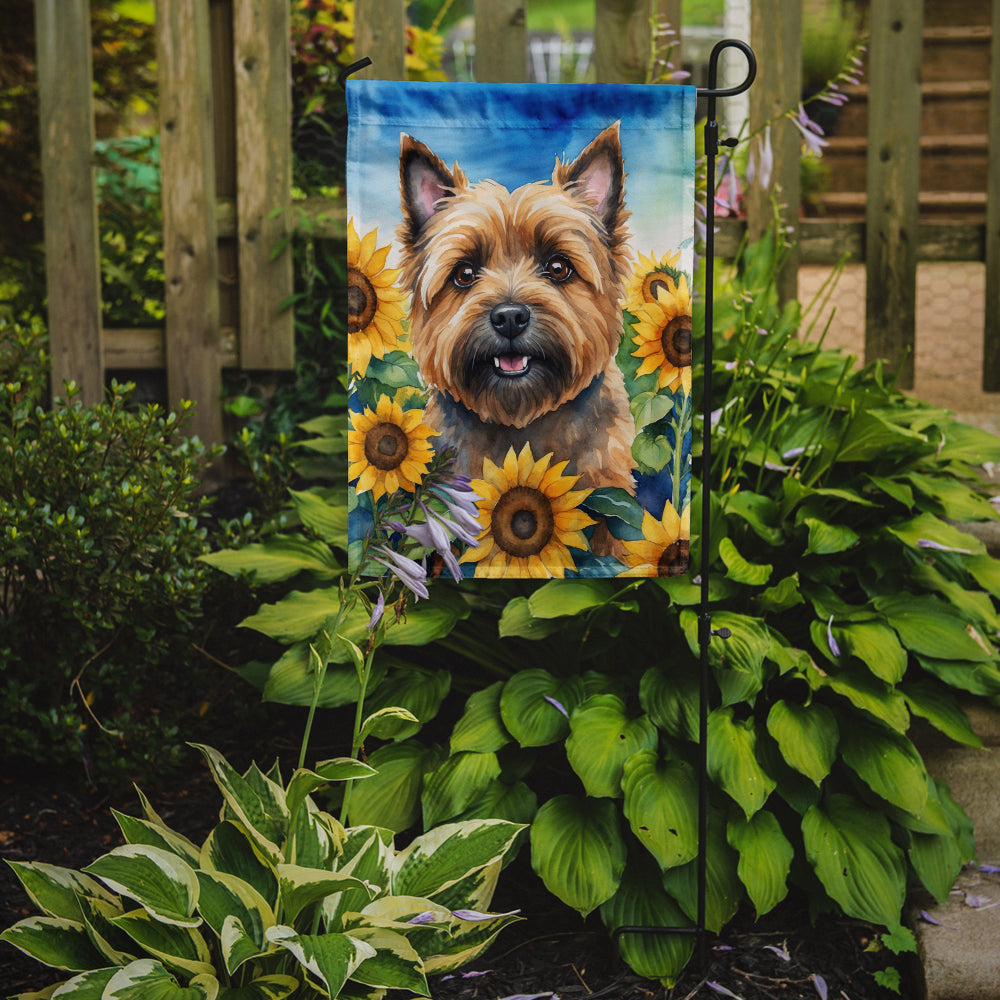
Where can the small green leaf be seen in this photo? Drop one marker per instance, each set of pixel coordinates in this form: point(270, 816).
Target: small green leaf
point(807, 736)
point(481, 727)
point(738, 569)
point(732, 760)
point(827, 539)
point(765, 858)
point(330, 958)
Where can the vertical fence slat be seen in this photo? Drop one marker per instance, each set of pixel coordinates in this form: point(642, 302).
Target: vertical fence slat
point(380, 34)
point(190, 253)
point(72, 257)
point(991, 332)
point(776, 36)
point(621, 40)
point(261, 57)
point(501, 41)
point(893, 183)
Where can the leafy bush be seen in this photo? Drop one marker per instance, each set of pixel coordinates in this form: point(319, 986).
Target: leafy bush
point(279, 899)
point(854, 604)
point(101, 587)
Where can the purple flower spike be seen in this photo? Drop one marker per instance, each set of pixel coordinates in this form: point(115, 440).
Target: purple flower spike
point(927, 543)
point(834, 648)
point(427, 917)
point(409, 572)
point(780, 952)
point(558, 705)
point(377, 612)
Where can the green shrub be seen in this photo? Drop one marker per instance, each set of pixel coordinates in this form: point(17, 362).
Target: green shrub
point(101, 584)
point(279, 900)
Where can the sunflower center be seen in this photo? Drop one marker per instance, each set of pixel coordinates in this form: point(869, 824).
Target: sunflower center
point(386, 446)
point(654, 283)
point(523, 522)
point(676, 341)
point(675, 558)
point(362, 300)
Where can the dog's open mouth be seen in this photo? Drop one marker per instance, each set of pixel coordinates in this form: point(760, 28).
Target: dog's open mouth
point(511, 364)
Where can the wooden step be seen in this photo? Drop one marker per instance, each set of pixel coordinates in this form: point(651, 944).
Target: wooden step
point(947, 107)
point(954, 206)
point(956, 53)
point(941, 13)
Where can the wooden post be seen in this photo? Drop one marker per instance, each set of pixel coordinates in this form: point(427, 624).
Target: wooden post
point(991, 332)
point(667, 13)
point(501, 41)
point(380, 34)
point(893, 183)
point(623, 38)
point(262, 61)
point(190, 254)
point(776, 35)
point(72, 256)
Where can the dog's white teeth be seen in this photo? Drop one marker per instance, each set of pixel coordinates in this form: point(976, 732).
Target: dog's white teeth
point(512, 364)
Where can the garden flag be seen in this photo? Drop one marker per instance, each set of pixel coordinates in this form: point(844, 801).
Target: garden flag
point(519, 298)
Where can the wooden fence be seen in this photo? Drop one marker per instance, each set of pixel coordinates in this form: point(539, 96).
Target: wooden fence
point(226, 161)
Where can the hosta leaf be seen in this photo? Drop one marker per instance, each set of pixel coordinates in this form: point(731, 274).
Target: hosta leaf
point(661, 800)
point(876, 646)
point(516, 803)
point(958, 502)
point(87, 986)
point(937, 860)
point(225, 897)
point(386, 723)
point(330, 959)
point(279, 558)
point(641, 901)
point(366, 855)
point(56, 891)
point(578, 851)
point(864, 691)
point(671, 700)
point(723, 889)
point(180, 948)
point(561, 598)
point(807, 736)
point(304, 782)
point(760, 512)
point(142, 831)
point(936, 704)
point(888, 763)
point(481, 728)
point(456, 784)
point(418, 690)
point(54, 941)
point(850, 848)
point(230, 849)
point(466, 941)
point(738, 661)
point(869, 436)
point(275, 987)
point(827, 539)
point(147, 979)
point(328, 520)
point(391, 798)
point(928, 528)
point(738, 569)
point(976, 678)
point(529, 706)
point(301, 887)
point(395, 964)
point(783, 595)
point(986, 571)
point(441, 857)
point(291, 680)
point(602, 738)
point(732, 760)
point(159, 881)
point(765, 858)
point(517, 620)
point(932, 628)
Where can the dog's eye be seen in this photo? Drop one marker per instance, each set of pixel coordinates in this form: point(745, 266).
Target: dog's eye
point(558, 268)
point(464, 274)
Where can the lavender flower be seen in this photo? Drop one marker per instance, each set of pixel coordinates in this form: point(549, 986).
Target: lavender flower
point(761, 163)
point(811, 132)
point(377, 612)
point(557, 704)
point(409, 572)
point(834, 648)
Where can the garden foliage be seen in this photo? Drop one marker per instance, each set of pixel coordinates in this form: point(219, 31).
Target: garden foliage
point(854, 605)
point(99, 546)
point(280, 899)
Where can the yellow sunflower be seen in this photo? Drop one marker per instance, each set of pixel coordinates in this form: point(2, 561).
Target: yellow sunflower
point(647, 278)
point(530, 518)
point(665, 547)
point(388, 448)
point(663, 335)
point(374, 304)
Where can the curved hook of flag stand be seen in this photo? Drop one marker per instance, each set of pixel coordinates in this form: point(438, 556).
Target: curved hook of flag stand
point(705, 631)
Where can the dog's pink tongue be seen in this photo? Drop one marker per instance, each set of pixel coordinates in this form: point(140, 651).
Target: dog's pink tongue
point(512, 362)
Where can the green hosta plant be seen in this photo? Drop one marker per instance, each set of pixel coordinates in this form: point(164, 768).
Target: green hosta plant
point(279, 900)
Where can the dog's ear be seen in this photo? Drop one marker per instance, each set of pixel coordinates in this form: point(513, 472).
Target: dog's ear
point(423, 181)
point(598, 174)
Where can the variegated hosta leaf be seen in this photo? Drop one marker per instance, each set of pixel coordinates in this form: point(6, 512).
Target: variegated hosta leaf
point(481, 727)
point(86, 986)
point(888, 763)
point(467, 941)
point(300, 887)
point(275, 987)
point(441, 857)
point(147, 979)
point(304, 782)
point(765, 858)
point(230, 849)
point(807, 736)
point(56, 891)
point(602, 737)
point(732, 760)
point(177, 947)
point(456, 784)
point(535, 706)
point(315, 838)
point(661, 805)
point(395, 964)
point(116, 946)
point(141, 831)
point(642, 902)
point(256, 801)
point(578, 851)
point(329, 959)
point(54, 941)
point(475, 891)
point(158, 880)
point(850, 847)
point(367, 853)
point(225, 897)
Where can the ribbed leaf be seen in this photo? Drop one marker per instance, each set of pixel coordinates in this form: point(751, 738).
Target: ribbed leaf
point(827, 539)
point(481, 728)
point(578, 851)
point(225, 897)
point(147, 979)
point(559, 598)
point(56, 891)
point(230, 849)
point(417, 690)
point(275, 987)
point(395, 965)
point(391, 798)
point(330, 959)
point(602, 738)
point(876, 646)
point(661, 806)
point(739, 569)
point(928, 528)
point(976, 678)
point(732, 760)
point(86, 986)
point(142, 831)
point(864, 691)
point(177, 947)
point(54, 941)
point(807, 736)
point(888, 763)
point(301, 887)
point(527, 709)
point(280, 557)
point(765, 858)
point(936, 704)
point(456, 785)
point(850, 848)
point(328, 520)
point(671, 700)
point(930, 627)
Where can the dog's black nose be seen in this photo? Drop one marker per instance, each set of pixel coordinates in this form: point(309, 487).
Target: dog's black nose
point(510, 319)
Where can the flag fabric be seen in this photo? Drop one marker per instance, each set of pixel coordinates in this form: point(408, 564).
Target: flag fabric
point(519, 297)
